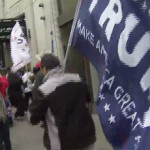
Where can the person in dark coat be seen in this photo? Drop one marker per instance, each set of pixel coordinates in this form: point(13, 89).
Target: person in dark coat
point(61, 102)
point(15, 93)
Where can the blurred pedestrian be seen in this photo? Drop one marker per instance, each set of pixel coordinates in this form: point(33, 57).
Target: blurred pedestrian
point(35, 71)
point(15, 94)
point(26, 78)
point(39, 77)
point(4, 127)
point(3, 90)
point(61, 102)
point(3, 86)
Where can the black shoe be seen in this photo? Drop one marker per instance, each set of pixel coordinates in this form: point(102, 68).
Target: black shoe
point(19, 117)
point(42, 125)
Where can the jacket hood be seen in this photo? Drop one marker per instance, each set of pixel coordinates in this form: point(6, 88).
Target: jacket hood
point(56, 78)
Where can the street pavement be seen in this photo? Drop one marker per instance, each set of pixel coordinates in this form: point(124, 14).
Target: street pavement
point(24, 136)
point(101, 142)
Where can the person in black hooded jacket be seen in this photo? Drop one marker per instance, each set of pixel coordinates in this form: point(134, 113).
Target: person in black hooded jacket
point(15, 93)
point(61, 102)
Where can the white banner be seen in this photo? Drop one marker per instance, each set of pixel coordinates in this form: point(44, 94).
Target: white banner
point(19, 48)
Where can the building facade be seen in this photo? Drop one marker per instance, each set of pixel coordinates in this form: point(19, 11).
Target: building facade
point(41, 24)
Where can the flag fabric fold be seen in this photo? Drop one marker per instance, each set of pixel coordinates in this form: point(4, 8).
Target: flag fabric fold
point(115, 36)
point(19, 48)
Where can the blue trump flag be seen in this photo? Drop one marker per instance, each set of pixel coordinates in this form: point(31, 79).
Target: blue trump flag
point(115, 36)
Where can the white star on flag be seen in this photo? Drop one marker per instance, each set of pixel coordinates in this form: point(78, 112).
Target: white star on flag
point(107, 107)
point(111, 119)
point(101, 87)
point(138, 139)
point(101, 96)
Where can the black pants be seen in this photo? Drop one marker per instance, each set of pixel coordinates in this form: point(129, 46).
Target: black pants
point(28, 95)
point(4, 136)
point(20, 108)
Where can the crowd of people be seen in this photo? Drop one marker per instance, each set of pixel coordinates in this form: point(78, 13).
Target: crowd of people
point(56, 98)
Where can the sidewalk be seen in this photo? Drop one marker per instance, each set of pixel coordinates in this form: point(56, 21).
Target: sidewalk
point(27, 137)
point(101, 143)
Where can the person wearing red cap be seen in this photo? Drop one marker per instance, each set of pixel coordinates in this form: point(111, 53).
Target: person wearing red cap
point(38, 77)
point(4, 126)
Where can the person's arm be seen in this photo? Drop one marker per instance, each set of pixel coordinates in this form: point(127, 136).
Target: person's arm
point(38, 108)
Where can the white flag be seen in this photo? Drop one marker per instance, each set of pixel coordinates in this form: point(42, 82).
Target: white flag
point(19, 48)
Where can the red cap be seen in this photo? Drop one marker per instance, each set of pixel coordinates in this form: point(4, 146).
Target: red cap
point(38, 65)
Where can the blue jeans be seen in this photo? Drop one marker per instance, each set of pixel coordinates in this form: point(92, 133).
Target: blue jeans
point(4, 136)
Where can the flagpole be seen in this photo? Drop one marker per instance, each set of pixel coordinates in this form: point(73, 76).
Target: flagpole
point(71, 33)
